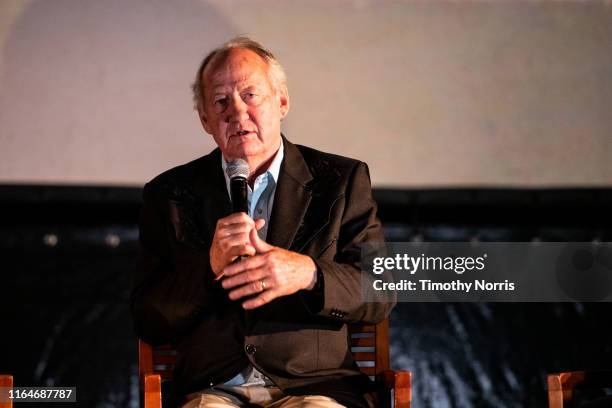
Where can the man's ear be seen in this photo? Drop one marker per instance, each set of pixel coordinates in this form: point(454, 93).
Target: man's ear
point(284, 101)
point(204, 120)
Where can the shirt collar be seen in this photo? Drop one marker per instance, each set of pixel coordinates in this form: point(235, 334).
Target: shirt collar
point(273, 170)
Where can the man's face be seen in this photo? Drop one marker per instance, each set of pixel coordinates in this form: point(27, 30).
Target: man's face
point(242, 110)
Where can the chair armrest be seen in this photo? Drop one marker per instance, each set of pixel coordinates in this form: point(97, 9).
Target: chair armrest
point(152, 391)
point(401, 383)
point(6, 381)
point(561, 385)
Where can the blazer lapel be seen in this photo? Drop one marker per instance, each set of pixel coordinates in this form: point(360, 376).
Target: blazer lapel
point(291, 198)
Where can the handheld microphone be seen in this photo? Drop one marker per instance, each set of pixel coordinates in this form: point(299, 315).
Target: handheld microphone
point(238, 172)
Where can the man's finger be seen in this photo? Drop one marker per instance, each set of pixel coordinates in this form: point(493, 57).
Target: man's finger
point(258, 301)
point(234, 229)
point(241, 250)
point(251, 288)
point(253, 262)
point(226, 243)
point(235, 218)
point(252, 275)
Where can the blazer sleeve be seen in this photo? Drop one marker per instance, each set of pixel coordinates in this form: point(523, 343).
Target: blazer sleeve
point(167, 298)
point(340, 295)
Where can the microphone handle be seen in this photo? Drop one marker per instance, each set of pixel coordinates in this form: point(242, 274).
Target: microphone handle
point(240, 203)
point(238, 189)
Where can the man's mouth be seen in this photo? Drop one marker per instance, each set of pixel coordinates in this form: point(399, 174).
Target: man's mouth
point(242, 133)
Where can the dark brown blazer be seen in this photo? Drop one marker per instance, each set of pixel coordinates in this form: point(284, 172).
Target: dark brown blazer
point(323, 207)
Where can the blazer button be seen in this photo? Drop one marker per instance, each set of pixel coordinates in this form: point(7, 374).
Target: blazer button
point(250, 349)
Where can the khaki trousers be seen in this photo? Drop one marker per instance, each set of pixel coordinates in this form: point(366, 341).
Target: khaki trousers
point(268, 397)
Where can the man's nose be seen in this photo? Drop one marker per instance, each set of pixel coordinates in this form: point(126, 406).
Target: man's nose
point(238, 110)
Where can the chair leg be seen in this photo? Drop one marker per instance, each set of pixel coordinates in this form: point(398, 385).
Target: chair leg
point(6, 383)
point(152, 391)
point(403, 389)
point(401, 384)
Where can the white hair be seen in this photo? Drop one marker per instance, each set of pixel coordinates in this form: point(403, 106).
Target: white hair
point(276, 73)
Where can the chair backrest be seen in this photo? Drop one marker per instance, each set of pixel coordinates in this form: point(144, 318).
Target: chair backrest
point(369, 345)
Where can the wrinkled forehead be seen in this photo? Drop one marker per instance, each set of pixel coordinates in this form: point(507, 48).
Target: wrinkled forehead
point(235, 65)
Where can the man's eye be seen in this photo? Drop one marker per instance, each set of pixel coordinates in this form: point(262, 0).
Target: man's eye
point(250, 95)
point(221, 101)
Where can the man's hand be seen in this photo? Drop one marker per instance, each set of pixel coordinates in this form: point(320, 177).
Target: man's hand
point(273, 272)
point(232, 239)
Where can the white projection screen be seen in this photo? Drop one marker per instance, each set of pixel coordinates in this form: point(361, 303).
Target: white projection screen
point(429, 94)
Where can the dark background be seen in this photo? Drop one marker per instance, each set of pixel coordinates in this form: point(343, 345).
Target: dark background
point(68, 252)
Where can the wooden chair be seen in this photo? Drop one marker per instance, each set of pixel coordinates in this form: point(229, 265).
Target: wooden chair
point(369, 344)
point(6, 382)
point(562, 386)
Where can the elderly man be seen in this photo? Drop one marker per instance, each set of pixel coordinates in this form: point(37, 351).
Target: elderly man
point(256, 304)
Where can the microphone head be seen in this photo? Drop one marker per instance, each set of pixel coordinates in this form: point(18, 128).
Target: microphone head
point(237, 168)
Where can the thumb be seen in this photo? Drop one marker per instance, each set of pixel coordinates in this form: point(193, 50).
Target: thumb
point(259, 244)
point(259, 224)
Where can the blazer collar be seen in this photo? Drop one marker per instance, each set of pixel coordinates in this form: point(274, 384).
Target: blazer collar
point(209, 183)
point(291, 198)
